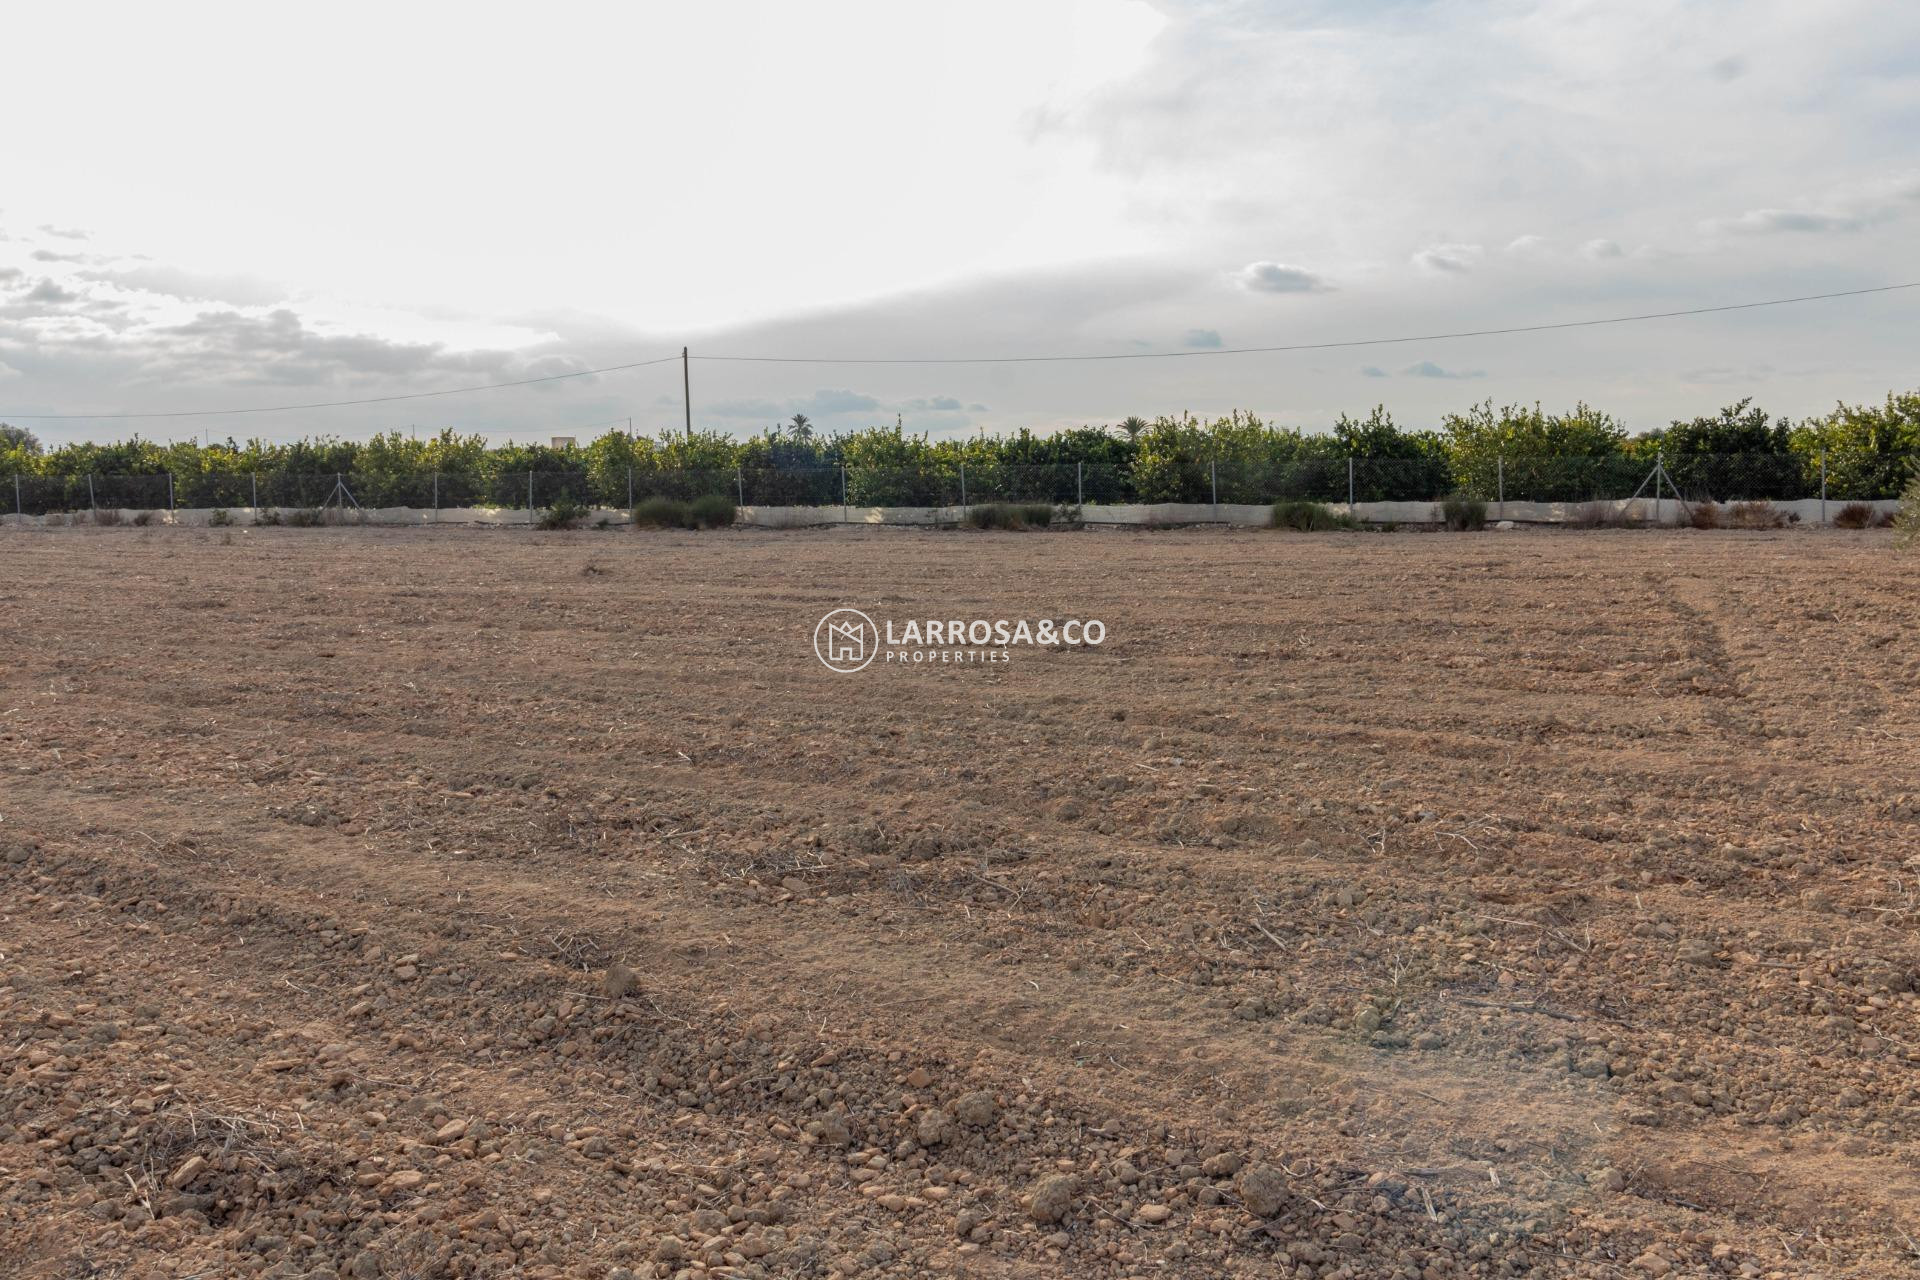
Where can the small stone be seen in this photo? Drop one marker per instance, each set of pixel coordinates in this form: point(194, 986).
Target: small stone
point(1608, 1179)
point(976, 1109)
point(1367, 1020)
point(1052, 1198)
point(620, 981)
point(1153, 1213)
point(451, 1131)
point(932, 1128)
point(1224, 1165)
point(1695, 951)
point(1262, 1189)
point(919, 1078)
point(186, 1173)
point(1429, 1040)
point(406, 1180)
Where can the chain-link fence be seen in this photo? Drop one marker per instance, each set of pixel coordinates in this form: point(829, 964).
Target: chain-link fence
point(1495, 478)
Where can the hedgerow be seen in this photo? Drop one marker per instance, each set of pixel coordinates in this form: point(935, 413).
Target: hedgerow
point(1511, 452)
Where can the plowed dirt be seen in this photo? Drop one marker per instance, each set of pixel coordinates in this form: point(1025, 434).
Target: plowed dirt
point(491, 903)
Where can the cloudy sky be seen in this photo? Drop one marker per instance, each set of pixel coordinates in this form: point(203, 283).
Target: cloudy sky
point(224, 206)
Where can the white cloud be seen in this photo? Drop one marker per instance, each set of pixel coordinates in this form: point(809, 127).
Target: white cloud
point(1096, 181)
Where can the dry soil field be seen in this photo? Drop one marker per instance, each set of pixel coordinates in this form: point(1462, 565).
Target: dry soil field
point(466, 903)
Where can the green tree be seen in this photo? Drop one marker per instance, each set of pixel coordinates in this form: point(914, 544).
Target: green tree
point(1871, 450)
point(1528, 454)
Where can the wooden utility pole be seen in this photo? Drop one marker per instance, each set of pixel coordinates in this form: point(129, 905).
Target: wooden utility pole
point(686, 393)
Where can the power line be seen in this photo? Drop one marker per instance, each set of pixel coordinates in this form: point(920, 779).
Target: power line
point(335, 404)
point(1047, 359)
point(1311, 346)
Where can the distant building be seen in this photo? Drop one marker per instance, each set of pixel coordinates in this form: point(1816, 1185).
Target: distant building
point(564, 442)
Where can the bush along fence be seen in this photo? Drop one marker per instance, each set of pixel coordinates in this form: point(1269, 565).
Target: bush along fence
point(1720, 478)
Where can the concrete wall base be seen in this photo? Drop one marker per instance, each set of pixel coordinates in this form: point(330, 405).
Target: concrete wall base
point(1669, 511)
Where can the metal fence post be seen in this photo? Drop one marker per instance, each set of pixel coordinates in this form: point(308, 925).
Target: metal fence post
point(843, 487)
point(256, 490)
point(1823, 486)
point(1079, 484)
point(1349, 484)
point(1213, 470)
point(91, 504)
point(740, 484)
point(629, 486)
point(436, 491)
point(963, 489)
point(529, 497)
point(19, 508)
point(1500, 471)
point(170, 505)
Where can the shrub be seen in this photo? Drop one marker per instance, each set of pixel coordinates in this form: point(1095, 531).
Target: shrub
point(1309, 517)
point(1907, 521)
point(1606, 515)
point(106, 515)
point(564, 514)
point(1461, 513)
point(220, 518)
point(1755, 515)
point(1009, 515)
point(714, 511)
point(306, 517)
point(143, 518)
point(1705, 515)
point(660, 513)
point(269, 515)
point(1855, 515)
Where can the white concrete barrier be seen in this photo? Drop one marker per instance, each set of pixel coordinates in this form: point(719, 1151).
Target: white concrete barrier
point(1805, 511)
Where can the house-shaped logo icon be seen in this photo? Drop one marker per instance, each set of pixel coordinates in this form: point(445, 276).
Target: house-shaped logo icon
point(845, 640)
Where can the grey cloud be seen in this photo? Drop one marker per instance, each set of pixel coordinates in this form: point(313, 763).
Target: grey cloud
point(278, 348)
point(237, 290)
point(47, 255)
point(1374, 371)
point(1601, 249)
point(8, 274)
point(1526, 244)
point(932, 404)
point(1728, 68)
point(824, 401)
point(50, 292)
point(1203, 339)
point(1428, 369)
point(65, 233)
point(1448, 258)
point(1278, 277)
point(976, 408)
point(1762, 221)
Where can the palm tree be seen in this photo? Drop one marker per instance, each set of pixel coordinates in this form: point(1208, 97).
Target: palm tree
point(801, 427)
point(1133, 426)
